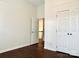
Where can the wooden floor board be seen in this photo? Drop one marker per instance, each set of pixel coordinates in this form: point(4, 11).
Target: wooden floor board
point(34, 51)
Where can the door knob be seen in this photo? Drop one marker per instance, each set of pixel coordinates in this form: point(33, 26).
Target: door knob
point(67, 33)
point(70, 33)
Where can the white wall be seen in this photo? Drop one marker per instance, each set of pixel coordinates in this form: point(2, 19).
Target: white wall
point(51, 8)
point(15, 24)
point(40, 11)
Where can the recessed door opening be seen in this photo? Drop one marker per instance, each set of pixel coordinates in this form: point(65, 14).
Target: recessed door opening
point(41, 32)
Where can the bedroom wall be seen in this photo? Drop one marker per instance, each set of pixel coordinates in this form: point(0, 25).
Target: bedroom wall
point(40, 11)
point(15, 24)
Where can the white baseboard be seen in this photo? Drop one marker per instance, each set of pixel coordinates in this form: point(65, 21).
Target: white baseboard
point(6, 50)
point(34, 43)
point(21, 46)
point(49, 49)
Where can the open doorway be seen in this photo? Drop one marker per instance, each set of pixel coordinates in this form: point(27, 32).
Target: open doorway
point(41, 32)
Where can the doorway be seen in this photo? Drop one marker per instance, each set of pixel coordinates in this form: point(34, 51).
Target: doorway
point(41, 32)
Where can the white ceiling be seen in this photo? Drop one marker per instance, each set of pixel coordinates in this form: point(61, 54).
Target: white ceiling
point(36, 2)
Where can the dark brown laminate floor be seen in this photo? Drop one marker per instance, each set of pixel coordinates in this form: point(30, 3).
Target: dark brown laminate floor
point(34, 51)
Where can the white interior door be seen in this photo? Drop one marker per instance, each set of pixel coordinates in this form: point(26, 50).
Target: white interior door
point(34, 32)
point(63, 29)
point(74, 32)
point(68, 31)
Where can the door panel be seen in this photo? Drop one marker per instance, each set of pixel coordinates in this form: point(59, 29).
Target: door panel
point(74, 30)
point(63, 42)
point(63, 21)
point(34, 32)
point(60, 42)
point(63, 29)
point(73, 43)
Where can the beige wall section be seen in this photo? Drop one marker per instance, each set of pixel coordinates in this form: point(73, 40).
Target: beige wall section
point(40, 11)
point(15, 24)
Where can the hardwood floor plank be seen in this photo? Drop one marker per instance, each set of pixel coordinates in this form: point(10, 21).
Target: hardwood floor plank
point(33, 51)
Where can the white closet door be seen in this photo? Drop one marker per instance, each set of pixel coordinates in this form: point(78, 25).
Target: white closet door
point(74, 31)
point(68, 31)
point(63, 29)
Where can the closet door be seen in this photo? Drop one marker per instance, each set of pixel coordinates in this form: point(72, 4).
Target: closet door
point(63, 30)
point(68, 31)
point(74, 32)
